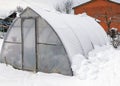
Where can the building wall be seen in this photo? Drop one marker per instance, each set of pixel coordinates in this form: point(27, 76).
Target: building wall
point(102, 9)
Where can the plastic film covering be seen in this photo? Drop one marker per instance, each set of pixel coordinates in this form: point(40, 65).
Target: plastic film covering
point(66, 35)
point(12, 55)
point(27, 13)
point(79, 36)
point(14, 34)
point(46, 34)
point(11, 50)
point(29, 52)
point(52, 57)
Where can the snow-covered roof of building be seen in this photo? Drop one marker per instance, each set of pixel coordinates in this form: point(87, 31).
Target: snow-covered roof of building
point(79, 2)
point(78, 33)
point(116, 1)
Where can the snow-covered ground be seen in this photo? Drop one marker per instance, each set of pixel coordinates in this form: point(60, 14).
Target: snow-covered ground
point(102, 69)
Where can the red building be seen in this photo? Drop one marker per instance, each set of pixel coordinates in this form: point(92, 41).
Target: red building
point(107, 11)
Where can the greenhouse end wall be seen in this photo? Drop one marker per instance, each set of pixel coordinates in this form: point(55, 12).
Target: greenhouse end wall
point(35, 46)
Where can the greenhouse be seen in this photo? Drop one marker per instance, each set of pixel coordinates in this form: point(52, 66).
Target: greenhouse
point(40, 40)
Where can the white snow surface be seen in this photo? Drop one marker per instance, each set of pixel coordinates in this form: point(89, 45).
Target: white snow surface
point(117, 1)
point(101, 69)
point(79, 2)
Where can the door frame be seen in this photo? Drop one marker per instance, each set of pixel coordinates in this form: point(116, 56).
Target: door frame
point(22, 43)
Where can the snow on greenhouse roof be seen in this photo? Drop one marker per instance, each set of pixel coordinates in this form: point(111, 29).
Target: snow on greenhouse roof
point(77, 31)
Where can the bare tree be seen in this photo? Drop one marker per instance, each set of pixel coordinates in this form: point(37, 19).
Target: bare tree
point(108, 17)
point(68, 6)
point(59, 8)
point(65, 7)
point(19, 9)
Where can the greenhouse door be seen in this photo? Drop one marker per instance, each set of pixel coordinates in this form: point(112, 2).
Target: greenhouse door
point(29, 45)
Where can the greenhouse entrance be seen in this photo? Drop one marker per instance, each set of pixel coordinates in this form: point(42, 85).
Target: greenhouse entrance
point(29, 44)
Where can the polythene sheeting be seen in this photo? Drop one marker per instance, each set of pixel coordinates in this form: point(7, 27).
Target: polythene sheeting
point(11, 50)
point(79, 34)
